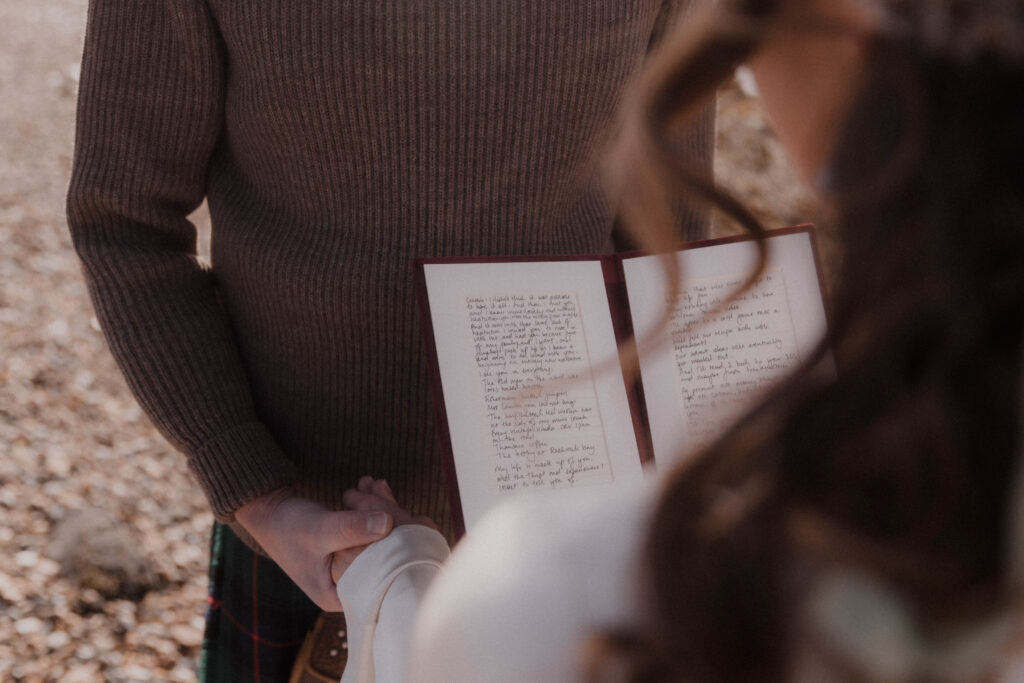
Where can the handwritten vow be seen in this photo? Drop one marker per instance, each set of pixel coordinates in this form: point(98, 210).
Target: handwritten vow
point(542, 412)
point(725, 362)
point(529, 395)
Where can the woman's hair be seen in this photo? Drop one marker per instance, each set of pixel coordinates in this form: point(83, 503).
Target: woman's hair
point(901, 463)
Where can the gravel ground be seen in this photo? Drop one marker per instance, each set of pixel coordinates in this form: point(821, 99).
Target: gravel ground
point(103, 538)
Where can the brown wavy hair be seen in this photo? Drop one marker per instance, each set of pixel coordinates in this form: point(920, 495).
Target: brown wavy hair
point(902, 462)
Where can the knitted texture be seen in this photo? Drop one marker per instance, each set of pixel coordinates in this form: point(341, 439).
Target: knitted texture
point(334, 140)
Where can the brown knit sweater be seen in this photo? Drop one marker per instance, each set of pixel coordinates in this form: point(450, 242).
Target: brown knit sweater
point(334, 140)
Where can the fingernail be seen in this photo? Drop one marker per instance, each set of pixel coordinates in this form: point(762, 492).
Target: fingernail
point(377, 523)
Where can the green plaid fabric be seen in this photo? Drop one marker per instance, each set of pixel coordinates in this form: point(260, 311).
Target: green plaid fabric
point(256, 618)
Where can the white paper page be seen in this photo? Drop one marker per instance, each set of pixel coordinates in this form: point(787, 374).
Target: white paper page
point(697, 384)
point(515, 342)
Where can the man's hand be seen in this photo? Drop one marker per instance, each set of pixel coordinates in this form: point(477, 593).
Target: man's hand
point(313, 545)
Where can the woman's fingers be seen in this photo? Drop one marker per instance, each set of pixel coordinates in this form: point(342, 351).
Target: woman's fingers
point(367, 494)
point(354, 499)
point(375, 495)
point(425, 521)
point(342, 560)
point(381, 488)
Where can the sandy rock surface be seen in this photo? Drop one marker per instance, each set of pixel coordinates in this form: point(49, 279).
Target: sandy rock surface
point(103, 534)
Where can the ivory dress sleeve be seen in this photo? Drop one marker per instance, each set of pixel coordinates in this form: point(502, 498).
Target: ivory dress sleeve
point(381, 593)
point(519, 598)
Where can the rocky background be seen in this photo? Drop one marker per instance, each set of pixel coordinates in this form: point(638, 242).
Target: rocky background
point(103, 536)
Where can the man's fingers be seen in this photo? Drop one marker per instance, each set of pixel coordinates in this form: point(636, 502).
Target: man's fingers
point(348, 528)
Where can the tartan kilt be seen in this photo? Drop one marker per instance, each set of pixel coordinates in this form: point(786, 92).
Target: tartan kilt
point(256, 617)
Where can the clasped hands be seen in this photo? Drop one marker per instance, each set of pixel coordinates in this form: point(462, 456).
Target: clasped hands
point(313, 545)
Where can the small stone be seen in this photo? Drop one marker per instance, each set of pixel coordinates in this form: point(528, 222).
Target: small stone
point(186, 555)
point(9, 590)
point(82, 673)
point(182, 674)
point(104, 642)
point(186, 635)
point(46, 567)
point(28, 626)
point(57, 640)
point(98, 550)
point(134, 672)
point(58, 329)
point(123, 612)
point(26, 558)
point(57, 462)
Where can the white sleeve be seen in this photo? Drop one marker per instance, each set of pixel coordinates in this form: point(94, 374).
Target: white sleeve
point(381, 593)
point(534, 580)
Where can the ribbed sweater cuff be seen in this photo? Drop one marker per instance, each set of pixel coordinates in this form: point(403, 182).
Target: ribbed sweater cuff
point(239, 465)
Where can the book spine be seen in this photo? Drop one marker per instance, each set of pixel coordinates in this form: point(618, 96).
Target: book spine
point(622, 323)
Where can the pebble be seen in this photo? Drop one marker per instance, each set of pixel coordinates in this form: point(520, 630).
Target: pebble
point(9, 589)
point(26, 558)
point(85, 652)
point(57, 640)
point(186, 635)
point(28, 626)
point(82, 673)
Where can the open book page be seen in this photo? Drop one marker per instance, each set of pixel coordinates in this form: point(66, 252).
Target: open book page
point(516, 343)
point(699, 378)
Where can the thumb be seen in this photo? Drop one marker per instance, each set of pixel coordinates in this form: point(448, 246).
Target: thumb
point(351, 529)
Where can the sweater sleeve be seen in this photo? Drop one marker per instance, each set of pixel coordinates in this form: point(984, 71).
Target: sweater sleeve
point(150, 114)
point(381, 593)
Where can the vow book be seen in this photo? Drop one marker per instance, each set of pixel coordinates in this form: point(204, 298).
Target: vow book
point(528, 386)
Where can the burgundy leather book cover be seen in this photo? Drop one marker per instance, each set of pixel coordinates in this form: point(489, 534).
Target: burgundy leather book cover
point(622, 322)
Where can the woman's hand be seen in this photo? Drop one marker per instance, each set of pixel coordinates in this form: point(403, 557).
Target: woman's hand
point(374, 495)
point(313, 545)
